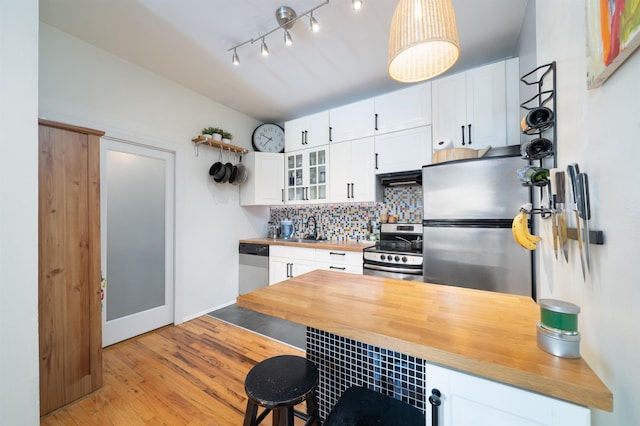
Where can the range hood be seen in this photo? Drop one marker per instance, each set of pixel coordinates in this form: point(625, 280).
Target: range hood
point(412, 177)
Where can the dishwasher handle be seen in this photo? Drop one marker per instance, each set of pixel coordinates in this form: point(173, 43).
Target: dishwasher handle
point(254, 249)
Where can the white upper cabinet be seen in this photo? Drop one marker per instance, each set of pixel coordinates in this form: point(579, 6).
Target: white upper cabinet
point(307, 175)
point(265, 179)
point(306, 132)
point(473, 108)
point(403, 151)
point(352, 171)
point(352, 121)
point(403, 109)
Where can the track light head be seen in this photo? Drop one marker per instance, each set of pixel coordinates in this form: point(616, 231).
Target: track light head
point(287, 38)
point(235, 59)
point(313, 23)
point(264, 49)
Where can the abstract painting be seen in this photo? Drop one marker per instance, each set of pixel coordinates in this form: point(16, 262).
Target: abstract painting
point(613, 33)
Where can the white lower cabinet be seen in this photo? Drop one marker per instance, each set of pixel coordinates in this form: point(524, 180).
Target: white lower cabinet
point(287, 262)
point(339, 260)
point(470, 400)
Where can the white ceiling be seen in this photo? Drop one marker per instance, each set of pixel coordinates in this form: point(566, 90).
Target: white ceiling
point(187, 41)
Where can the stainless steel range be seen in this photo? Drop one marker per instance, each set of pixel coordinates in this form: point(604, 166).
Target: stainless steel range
point(398, 254)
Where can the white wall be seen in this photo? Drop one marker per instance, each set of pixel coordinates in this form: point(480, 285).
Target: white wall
point(19, 385)
point(600, 130)
point(80, 84)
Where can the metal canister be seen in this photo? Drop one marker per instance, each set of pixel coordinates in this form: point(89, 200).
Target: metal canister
point(558, 314)
point(557, 331)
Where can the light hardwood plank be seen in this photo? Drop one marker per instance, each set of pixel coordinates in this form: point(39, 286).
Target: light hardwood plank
point(190, 374)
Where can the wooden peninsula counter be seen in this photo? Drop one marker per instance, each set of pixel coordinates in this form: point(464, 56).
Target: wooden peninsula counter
point(485, 334)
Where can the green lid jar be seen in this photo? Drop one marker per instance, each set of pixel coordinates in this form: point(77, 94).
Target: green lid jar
point(559, 315)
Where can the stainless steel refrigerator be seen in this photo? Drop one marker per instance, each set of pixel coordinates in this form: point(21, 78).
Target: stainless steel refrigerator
point(468, 209)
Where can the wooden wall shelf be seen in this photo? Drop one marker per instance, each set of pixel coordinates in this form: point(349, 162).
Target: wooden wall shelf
point(198, 140)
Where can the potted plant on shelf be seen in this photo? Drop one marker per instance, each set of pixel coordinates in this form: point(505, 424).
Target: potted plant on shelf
point(214, 133)
point(226, 137)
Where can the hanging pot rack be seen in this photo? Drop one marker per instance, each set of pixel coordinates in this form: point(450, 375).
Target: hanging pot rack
point(199, 140)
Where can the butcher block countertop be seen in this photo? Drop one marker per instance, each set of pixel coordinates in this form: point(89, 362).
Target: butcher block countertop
point(488, 334)
point(320, 244)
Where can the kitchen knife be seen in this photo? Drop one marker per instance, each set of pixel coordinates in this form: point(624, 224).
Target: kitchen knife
point(584, 209)
point(573, 170)
point(561, 218)
point(552, 206)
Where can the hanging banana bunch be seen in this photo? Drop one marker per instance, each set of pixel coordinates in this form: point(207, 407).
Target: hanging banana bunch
point(521, 234)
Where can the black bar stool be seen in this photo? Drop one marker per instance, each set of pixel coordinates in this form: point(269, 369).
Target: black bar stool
point(362, 406)
point(278, 384)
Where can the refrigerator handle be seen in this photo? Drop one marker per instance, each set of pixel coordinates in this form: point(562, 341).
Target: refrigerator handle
point(463, 135)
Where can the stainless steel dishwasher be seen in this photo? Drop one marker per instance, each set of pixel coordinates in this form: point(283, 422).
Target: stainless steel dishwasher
point(254, 267)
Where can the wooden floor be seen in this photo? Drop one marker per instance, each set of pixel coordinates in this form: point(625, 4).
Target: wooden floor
point(190, 374)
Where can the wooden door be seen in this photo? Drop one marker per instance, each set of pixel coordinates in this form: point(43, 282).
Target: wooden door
point(69, 263)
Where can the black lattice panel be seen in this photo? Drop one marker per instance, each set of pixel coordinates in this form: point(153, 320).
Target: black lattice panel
point(345, 362)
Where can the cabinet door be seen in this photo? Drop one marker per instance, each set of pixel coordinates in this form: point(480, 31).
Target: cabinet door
point(352, 121)
point(403, 151)
point(294, 134)
point(470, 400)
point(265, 181)
point(317, 127)
point(362, 167)
point(486, 106)
point(340, 172)
point(278, 269)
point(318, 171)
point(449, 98)
point(403, 109)
point(295, 166)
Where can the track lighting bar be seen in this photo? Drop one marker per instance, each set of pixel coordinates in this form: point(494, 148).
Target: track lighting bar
point(282, 13)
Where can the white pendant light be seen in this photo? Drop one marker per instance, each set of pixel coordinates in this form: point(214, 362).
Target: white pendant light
point(423, 41)
point(313, 23)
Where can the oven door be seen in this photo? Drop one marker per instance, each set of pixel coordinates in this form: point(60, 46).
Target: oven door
point(397, 273)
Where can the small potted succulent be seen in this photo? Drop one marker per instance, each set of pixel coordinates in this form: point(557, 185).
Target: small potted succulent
point(226, 137)
point(214, 133)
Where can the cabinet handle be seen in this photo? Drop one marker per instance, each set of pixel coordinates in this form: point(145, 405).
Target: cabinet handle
point(306, 137)
point(435, 401)
point(352, 194)
point(469, 134)
point(337, 267)
point(376, 126)
point(463, 135)
point(283, 195)
point(306, 193)
point(330, 134)
point(337, 253)
point(302, 137)
point(348, 191)
point(376, 161)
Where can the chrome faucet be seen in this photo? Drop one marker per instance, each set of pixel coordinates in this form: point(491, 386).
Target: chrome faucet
point(313, 234)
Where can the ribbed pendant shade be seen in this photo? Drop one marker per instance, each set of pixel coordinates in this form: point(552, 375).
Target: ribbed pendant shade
point(423, 41)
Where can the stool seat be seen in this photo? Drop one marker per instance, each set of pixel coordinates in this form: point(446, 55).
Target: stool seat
point(363, 407)
point(278, 384)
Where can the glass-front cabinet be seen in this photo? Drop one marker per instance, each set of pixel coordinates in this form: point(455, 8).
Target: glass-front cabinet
point(307, 172)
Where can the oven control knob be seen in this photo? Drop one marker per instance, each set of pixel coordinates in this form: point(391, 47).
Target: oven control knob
point(382, 257)
point(404, 259)
point(397, 259)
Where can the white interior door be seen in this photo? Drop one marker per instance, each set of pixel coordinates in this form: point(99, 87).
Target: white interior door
point(137, 222)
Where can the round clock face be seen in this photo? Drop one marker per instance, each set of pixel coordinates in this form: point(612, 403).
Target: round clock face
point(268, 137)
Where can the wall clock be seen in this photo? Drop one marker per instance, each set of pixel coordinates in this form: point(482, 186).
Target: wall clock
point(268, 137)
